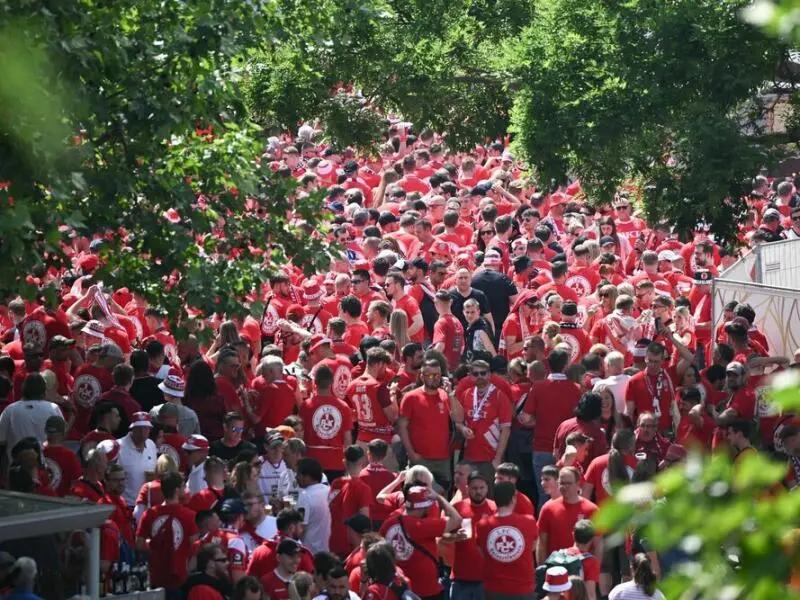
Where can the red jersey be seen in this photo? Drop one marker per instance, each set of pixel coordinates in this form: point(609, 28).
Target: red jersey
point(653, 394)
point(368, 398)
point(63, 466)
point(41, 325)
point(411, 308)
point(275, 310)
point(513, 328)
point(346, 498)
point(342, 373)
point(355, 332)
point(523, 505)
point(232, 543)
point(327, 419)
point(743, 401)
point(204, 499)
point(598, 446)
point(90, 383)
point(690, 435)
point(550, 403)
point(507, 544)
point(597, 475)
point(421, 570)
point(582, 280)
point(377, 477)
point(428, 418)
point(467, 558)
point(276, 401)
point(169, 551)
point(275, 587)
point(264, 560)
point(485, 416)
point(449, 331)
point(122, 516)
point(557, 520)
point(88, 491)
point(577, 338)
point(172, 445)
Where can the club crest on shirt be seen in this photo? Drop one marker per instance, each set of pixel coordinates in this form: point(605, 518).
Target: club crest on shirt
point(34, 332)
point(54, 469)
point(87, 390)
point(579, 284)
point(574, 345)
point(177, 529)
point(402, 549)
point(327, 421)
point(505, 544)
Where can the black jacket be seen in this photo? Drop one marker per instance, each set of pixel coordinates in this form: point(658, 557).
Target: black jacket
point(197, 578)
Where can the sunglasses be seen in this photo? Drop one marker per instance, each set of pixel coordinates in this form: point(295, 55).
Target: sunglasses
point(480, 373)
point(237, 429)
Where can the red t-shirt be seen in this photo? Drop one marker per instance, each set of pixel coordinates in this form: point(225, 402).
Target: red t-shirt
point(428, 418)
point(122, 516)
point(175, 556)
point(276, 401)
point(204, 499)
point(90, 383)
point(63, 466)
point(449, 331)
point(689, 434)
point(411, 308)
point(597, 474)
point(41, 325)
point(327, 419)
point(467, 558)
point(342, 373)
point(507, 544)
point(204, 592)
point(88, 491)
point(377, 477)
point(485, 419)
point(591, 566)
point(523, 505)
point(557, 520)
point(264, 559)
point(368, 397)
point(422, 571)
point(642, 390)
point(275, 587)
point(355, 332)
point(345, 498)
point(551, 402)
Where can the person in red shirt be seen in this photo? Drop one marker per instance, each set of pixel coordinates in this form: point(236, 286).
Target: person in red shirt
point(487, 422)
point(557, 518)
point(572, 333)
point(279, 300)
point(33, 363)
point(510, 472)
point(550, 403)
point(119, 395)
point(587, 417)
point(369, 398)
point(583, 533)
point(277, 399)
point(61, 462)
point(276, 583)
point(518, 325)
point(168, 531)
point(89, 486)
point(448, 332)
point(320, 353)
point(263, 559)
point(507, 540)
point(467, 573)
point(114, 483)
point(652, 390)
point(696, 427)
point(61, 350)
point(329, 424)
point(42, 324)
point(424, 423)
point(739, 404)
point(231, 513)
point(385, 581)
point(400, 300)
point(413, 535)
point(649, 440)
point(348, 496)
point(377, 477)
point(611, 469)
point(91, 381)
point(210, 579)
point(205, 499)
point(582, 277)
point(350, 310)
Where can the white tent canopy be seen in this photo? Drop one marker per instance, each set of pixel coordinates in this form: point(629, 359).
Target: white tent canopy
point(767, 278)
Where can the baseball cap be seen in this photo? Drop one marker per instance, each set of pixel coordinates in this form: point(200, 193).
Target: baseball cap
point(195, 442)
point(111, 350)
point(55, 424)
point(350, 166)
point(288, 546)
point(607, 239)
point(232, 506)
point(273, 439)
point(359, 523)
point(59, 341)
point(735, 367)
point(771, 213)
point(477, 475)
point(419, 497)
point(640, 349)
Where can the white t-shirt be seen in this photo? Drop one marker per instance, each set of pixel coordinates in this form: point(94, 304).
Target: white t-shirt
point(287, 484)
point(353, 596)
point(136, 464)
point(269, 479)
point(630, 591)
point(618, 385)
point(25, 418)
point(313, 503)
point(196, 482)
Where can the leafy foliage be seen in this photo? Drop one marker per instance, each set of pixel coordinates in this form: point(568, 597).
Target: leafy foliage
point(739, 532)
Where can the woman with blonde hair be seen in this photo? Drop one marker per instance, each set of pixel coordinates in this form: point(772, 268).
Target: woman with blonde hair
point(227, 335)
point(150, 493)
point(245, 478)
point(301, 586)
point(398, 323)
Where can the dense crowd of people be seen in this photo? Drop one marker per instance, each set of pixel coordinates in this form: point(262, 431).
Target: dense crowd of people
point(438, 416)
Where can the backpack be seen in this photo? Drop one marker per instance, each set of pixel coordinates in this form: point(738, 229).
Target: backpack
point(573, 563)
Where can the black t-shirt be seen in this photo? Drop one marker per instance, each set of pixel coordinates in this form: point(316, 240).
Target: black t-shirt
point(457, 306)
point(145, 391)
point(227, 453)
point(498, 289)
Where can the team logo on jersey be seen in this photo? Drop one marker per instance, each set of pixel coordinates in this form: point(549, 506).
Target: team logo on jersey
point(605, 478)
point(314, 326)
point(574, 345)
point(270, 324)
point(341, 379)
point(171, 452)
point(764, 408)
point(327, 421)
point(87, 390)
point(54, 469)
point(579, 284)
point(34, 332)
point(177, 529)
point(402, 549)
point(505, 544)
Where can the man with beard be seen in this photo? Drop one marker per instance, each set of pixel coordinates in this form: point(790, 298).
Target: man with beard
point(280, 299)
point(210, 580)
point(264, 558)
point(276, 583)
point(408, 374)
point(740, 403)
point(424, 423)
point(652, 390)
point(467, 558)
